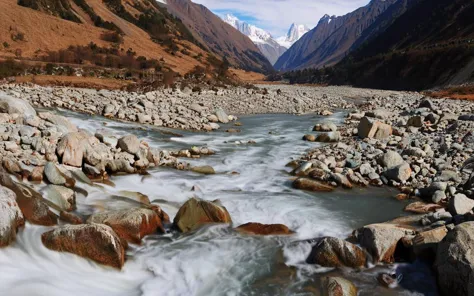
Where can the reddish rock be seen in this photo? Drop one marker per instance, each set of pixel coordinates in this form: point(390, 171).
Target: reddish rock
point(311, 185)
point(131, 224)
point(419, 207)
point(334, 252)
point(264, 229)
point(70, 218)
point(97, 242)
point(196, 212)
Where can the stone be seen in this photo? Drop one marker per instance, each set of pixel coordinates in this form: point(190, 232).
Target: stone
point(337, 286)
point(206, 170)
point(222, 116)
point(388, 280)
point(460, 204)
point(400, 173)
point(63, 197)
point(56, 177)
point(129, 144)
point(196, 213)
point(329, 137)
point(12, 105)
point(309, 138)
point(36, 174)
point(97, 242)
point(439, 196)
point(415, 121)
point(325, 127)
point(391, 159)
point(381, 240)
point(334, 252)
point(59, 120)
point(454, 263)
point(369, 128)
point(12, 166)
point(311, 185)
point(419, 207)
point(11, 217)
point(130, 224)
point(71, 148)
point(342, 180)
point(264, 229)
point(213, 118)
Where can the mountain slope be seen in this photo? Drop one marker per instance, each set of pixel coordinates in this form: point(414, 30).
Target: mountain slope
point(426, 44)
point(294, 34)
point(261, 38)
point(332, 38)
point(219, 37)
point(431, 44)
point(34, 31)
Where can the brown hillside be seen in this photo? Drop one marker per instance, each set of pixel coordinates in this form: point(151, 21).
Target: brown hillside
point(35, 32)
point(219, 37)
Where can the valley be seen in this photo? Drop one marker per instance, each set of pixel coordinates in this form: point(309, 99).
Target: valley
point(180, 147)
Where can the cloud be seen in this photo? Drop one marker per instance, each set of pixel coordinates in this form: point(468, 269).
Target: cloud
point(276, 16)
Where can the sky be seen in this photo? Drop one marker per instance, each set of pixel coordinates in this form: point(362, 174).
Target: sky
point(276, 16)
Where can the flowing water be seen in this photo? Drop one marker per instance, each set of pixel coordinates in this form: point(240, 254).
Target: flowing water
point(216, 260)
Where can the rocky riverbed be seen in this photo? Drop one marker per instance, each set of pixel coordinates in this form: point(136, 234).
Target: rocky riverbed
point(55, 175)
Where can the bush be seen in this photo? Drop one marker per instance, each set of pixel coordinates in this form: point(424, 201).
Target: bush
point(6, 45)
point(10, 68)
point(113, 37)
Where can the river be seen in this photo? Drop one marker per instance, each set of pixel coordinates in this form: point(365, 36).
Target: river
point(253, 183)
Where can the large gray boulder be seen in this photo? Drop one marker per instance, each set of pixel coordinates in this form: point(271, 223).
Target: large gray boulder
point(129, 144)
point(222, 116)
point(455, 261)
point(460, 205)
point(71, 148)
point(400, 173)
point(13, 105)
point(391, 159)
point(11, 217)
point(381, 240)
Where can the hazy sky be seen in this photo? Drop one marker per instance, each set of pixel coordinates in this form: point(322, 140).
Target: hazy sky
point(276, 16)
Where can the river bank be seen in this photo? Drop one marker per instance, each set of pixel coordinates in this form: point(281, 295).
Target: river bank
point(289, 250)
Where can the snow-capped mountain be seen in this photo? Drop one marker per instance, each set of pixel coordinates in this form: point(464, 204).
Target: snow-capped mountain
point(294, 34)
point(269, 47)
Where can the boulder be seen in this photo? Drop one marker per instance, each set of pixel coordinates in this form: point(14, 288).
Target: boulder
point(264, 229)
point(63, 197)
point(400, 173)
point(196, 212)
point(334, 252)
point(455, 261)
point(206, 170)
point(330, 137)
point(130, 224)
point(71, 148)
point(311, 185)
point(129, 144)
point(97, 242)
point(56, 177)
point(11, 217)
point(337, 286)
point(341, 180)
point(391, 159)
point(13, 105)
point(369, 128)
point(59, 120)
point(222, 116)
point(460, 204)
point(381, 240)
